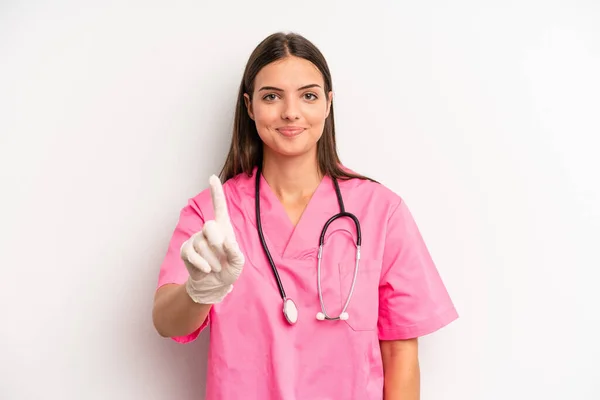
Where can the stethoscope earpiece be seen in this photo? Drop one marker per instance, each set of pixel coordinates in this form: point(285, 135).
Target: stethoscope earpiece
point(343, 316)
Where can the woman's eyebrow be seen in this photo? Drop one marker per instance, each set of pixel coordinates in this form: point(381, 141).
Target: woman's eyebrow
point(281, 90)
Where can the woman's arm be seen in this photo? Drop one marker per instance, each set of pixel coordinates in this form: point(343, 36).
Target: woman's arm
point(175, 313)
point(402, 377)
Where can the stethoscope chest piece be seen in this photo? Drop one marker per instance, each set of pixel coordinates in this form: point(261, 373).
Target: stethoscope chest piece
point(290, 311)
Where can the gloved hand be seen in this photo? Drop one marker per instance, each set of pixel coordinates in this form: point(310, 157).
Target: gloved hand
point(212, 256)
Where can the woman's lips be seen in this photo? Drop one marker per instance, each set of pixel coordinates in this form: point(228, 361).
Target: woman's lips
point(290, 131)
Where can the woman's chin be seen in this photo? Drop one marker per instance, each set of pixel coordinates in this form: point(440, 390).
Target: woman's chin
point(294, 149)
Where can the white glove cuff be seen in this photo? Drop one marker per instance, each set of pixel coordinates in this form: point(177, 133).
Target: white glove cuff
point(212, 296)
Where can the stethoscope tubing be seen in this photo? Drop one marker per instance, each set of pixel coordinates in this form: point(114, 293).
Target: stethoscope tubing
point(342, 214)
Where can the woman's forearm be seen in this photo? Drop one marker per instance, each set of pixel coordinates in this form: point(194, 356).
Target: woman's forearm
point(174, 312)
point(402, 376)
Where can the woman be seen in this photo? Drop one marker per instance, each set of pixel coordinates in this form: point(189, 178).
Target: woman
point(281, 325)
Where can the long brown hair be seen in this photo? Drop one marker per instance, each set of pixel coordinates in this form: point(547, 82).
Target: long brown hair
point(246, 149)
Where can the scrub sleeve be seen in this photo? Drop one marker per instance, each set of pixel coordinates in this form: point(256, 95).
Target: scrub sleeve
point(413, 300)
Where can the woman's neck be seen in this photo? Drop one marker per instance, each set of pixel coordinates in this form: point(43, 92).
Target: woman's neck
point(292, 179)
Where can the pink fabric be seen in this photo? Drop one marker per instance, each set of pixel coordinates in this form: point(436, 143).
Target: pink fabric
point(254, 353)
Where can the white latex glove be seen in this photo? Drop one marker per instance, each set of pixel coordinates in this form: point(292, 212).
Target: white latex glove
point(212, 256)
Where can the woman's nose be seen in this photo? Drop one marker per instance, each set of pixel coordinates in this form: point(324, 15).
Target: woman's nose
point(291, 110)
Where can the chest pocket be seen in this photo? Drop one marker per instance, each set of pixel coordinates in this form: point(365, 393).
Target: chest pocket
point(363, 310)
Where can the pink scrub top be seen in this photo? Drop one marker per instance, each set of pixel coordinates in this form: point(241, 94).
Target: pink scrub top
point(254, 353)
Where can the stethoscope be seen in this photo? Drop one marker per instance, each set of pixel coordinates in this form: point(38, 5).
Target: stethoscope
point(290, 310)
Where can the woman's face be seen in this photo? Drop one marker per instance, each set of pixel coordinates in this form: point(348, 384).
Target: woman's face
point(289, 106)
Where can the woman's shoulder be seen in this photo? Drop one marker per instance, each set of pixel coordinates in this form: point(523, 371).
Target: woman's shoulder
point(369, 187)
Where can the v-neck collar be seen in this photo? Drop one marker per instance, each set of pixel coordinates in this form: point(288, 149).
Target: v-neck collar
point(283, 238)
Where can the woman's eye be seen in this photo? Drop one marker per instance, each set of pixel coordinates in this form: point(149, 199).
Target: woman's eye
point(270, 97)
point(310, 96)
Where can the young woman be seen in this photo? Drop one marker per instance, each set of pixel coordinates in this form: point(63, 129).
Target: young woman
point(314, 280)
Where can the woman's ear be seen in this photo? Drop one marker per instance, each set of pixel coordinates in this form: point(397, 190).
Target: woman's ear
point(329, 101)
point(248, 106)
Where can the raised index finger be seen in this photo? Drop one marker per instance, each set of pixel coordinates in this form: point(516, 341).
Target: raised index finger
point(218, 200)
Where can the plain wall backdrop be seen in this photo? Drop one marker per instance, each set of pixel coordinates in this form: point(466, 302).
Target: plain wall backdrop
point(483, 115)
